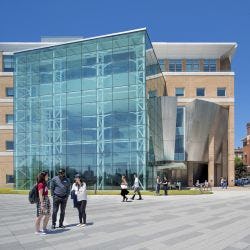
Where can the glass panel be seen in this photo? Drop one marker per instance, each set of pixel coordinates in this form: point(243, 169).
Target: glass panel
point(82, 106)
point(179, 91)
point(221, 91)
point(200, 92)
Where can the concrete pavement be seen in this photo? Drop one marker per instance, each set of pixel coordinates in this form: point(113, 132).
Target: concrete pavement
point(217, 221)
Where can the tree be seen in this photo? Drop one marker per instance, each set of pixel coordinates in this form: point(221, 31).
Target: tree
point(240, 169)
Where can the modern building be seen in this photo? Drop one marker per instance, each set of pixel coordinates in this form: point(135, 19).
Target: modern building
point(201, 78)
point(116, 105)
point(246, 147)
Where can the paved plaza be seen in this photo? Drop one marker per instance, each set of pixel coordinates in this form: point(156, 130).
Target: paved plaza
point(217, 221)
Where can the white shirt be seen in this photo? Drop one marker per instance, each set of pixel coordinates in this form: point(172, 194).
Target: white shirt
point(81, 194)
point(136, 183)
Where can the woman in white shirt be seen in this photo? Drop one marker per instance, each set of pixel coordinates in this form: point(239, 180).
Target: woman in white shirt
point(124, 189)
point(80, 189)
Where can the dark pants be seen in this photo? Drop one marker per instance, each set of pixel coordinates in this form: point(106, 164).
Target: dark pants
point(158, 187)
point(136, 190)
point(81, 206)
point(124, 192)
point(165, 188)
point(62, 202)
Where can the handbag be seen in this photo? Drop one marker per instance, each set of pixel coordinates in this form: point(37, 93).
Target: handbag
point(73, 197)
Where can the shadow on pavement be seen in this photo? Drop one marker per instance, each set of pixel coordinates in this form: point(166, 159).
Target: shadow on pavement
point(74, 224)
point(58, 231)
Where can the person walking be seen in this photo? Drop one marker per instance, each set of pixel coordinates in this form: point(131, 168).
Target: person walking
point(158, 185)
point(165, 185)
point(136, 188)
point(43, 204)
point(124, 189)
point(60, 190)
point(225, 183)
point(80, 190)
point(222, 182)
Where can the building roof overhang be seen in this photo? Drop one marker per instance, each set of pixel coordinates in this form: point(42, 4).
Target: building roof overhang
point(165, 50)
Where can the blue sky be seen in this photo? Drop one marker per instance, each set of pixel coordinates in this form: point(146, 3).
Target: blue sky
point(172, 21)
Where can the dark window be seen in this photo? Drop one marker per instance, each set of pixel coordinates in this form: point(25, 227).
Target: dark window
point(9, 119)
point(221, 91)
point(175, 65)
point(162, 65)
point(152, 93)
point(200, 92)
point(9, 145)
point(8, 63)
point(179, 92)
point(180, 117)
point(210, 65)
point(179, 137)
point(9, 178)
point(192, 65)
point(9, 92)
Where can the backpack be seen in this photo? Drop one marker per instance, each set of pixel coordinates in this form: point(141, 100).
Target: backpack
point(33, 195)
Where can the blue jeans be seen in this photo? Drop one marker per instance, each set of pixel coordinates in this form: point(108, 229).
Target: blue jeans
point(158, 187)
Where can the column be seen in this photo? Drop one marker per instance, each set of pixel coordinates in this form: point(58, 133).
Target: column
point(190, 174)
point(231, 174)
point(224, 157)
point(211, 160)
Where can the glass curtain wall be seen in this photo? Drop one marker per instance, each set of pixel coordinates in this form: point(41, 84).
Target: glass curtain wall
point(155, 87)
point(82, 106)
point(180, 135)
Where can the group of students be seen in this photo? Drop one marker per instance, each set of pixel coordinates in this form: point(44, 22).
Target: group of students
point(223, 182)
point(164, 183)
point(60, 192)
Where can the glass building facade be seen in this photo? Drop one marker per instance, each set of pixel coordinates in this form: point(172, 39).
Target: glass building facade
point(85, 106)
point(180, 134)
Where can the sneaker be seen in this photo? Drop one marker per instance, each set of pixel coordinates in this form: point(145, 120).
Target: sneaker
point(83, 225)
point(78, 225)
point(139, 199)
point(37, 233)
point(61, 226)
point(43, 233)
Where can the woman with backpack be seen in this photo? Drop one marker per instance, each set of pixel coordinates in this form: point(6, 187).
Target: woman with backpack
point(43, 203)
point(79, 190)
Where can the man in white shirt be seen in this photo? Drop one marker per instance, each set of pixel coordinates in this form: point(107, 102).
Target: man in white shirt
point(136, 187)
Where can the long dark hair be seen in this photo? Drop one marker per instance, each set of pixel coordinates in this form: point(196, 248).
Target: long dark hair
point(41, 178)
point(81, 182)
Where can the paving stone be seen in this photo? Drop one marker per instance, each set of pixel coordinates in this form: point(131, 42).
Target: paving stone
point(218, 221)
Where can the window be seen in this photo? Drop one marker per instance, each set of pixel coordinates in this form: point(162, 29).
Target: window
point(9, 92)
point(200, 92)
point(9, 119)
point(179, 92)
point(152, 93)
point(210, 65)
point(8, 63)
point(192, 65)
point(9, 145)
point(162, 65)
point(221, 91)
point(179, 137)
point(9, 178)
point(175, 65)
